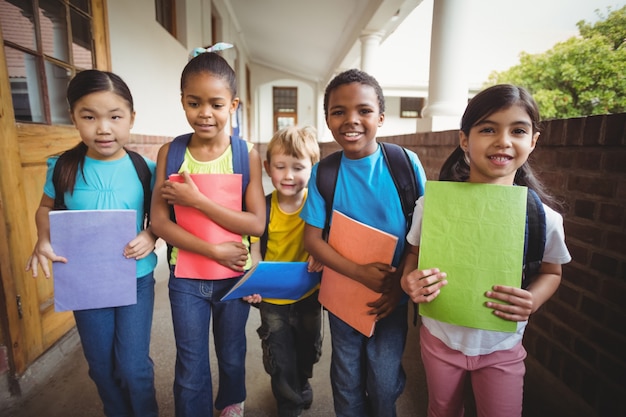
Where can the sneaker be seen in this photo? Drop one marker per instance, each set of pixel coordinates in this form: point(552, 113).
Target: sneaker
point(233, 410)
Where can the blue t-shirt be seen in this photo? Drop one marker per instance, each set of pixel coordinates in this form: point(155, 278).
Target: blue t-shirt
point(366, 192)
point(107, 185)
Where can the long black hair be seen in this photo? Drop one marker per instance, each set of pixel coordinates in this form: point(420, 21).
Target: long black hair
point(85, 83)
point(483, 105)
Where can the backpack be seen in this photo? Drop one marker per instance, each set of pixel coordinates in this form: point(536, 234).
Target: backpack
point(176, 155)
point(143, 172)
point(534, 237)
point(401, 170)
point(241, 163)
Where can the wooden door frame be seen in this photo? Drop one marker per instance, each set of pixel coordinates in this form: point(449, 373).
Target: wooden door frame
point(21, 323)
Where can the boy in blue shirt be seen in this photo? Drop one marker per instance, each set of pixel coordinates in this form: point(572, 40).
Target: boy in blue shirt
point(366, 373)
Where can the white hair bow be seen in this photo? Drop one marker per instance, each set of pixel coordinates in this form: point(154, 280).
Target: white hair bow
point(220, 46)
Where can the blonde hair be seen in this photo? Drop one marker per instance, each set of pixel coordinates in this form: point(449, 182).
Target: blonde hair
point(299, 142)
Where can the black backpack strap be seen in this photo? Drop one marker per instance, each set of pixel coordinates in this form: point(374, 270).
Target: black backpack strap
point(265, 236)
point(327, 172)
point(535, 237)
point(403, 176)
point(145, 176)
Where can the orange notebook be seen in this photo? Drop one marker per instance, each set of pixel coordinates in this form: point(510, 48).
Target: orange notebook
point(224, 189)
point(363, 244)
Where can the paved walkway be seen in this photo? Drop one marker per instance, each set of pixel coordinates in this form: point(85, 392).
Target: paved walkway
point(70, 392)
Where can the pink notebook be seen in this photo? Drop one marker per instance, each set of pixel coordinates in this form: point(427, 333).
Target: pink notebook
point(224, 189)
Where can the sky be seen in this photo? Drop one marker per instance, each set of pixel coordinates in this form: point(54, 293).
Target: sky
point(497, 31)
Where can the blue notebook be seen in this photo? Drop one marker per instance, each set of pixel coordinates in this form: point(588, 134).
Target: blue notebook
point(96, 274)
point(278, 280)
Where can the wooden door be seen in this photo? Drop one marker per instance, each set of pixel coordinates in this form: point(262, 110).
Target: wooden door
point(29, 324)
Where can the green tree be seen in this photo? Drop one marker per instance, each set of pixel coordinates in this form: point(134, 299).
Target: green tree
point(582, 76)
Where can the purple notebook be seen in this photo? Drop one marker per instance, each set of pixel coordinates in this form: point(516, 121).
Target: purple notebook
point(96, 274)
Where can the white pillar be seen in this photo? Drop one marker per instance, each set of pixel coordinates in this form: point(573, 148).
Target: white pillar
point(448, 79)
point(370, 42)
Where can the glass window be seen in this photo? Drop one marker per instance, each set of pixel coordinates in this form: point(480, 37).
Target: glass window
point(81, 4)
point(17, 24)
point(82, 45)
point(57, 78)
point(285, 100)
point(411, 107)
point(166, 14)
point(25, 86)
point(53, 24)
point(38, 74)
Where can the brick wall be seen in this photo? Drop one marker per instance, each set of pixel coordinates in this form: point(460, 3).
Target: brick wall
point(578, 338)
point(147, 145)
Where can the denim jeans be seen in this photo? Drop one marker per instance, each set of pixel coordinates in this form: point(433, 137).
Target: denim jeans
point(116, 344)
point(193, 303)
point(292, 343)
point(366, 374)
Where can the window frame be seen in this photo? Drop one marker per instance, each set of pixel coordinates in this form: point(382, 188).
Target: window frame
point(412, 107)
point(45, 64)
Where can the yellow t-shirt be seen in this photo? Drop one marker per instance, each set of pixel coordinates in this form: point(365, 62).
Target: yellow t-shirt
point(286, 240)
point(221, 165)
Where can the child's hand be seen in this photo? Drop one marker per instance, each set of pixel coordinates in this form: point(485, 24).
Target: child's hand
point(253, 299)
point(387, 302)
point(423, 286)
point(314, 266)
point(519, 302)
point(233, 255)
point(42, 253)
point(181, 194)
point(141, 246)
point(376, 276)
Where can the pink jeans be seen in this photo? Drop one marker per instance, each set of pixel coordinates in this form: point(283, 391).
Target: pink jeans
point(497, 379)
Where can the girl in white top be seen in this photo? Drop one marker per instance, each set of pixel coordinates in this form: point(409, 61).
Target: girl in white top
point(499, 130)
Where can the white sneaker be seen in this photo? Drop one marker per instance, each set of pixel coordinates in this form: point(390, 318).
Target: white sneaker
point(233, 410)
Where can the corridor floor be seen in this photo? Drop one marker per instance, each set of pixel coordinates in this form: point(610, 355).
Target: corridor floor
point(69, 392)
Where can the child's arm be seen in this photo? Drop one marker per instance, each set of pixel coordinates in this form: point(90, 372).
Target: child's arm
point(229, 254)
point(377, 276)
point(43, 250)
point(249, 222)
point(422, 286)
point(255, 252)
point(141, 246)
point(524, 302)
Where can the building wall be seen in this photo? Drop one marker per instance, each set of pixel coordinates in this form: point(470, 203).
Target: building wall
point(578, 338)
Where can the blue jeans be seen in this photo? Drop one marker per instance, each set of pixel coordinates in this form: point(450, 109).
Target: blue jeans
point(292, 343)
point(366, 374)
point(116, 344)
point(193, 302)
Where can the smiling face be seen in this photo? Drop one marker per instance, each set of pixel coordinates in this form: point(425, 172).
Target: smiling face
point(208, 104)
point(498, 145)
point(354, 118)
point(290, 175)
point(103, 120)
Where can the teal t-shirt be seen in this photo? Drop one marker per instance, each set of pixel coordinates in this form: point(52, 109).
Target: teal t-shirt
point(106, 185)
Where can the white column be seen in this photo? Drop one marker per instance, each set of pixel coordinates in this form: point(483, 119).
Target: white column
point(448, 79)
point(370, 42)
